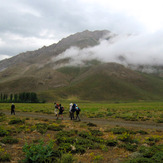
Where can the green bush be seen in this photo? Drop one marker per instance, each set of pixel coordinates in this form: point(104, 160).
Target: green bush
point(125, 137)
point(16, 121)
point(3, 131)
point(142, 132)
point(4, 156)
point(91, 124)
point(55, 127)
point(67, 158)
point(39, 153)
point(65, 147)
point(118, 130)
point(96, 132)
point(111, 142)
point(129, 147)
point(42, 128)
point(9, 140)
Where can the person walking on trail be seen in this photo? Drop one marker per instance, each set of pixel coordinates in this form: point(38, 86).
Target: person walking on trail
point(70, 111)
point(56, 108)
point(12, 109)
point(61, 109)
point(73, 111)
point(77, 113)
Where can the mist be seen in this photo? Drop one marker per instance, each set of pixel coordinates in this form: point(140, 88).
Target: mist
point(144, 49)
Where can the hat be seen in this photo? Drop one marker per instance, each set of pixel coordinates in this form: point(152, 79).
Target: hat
point(71, 104)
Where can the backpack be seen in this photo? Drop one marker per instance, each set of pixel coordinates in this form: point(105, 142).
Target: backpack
point(73, 108)
point(61, 108)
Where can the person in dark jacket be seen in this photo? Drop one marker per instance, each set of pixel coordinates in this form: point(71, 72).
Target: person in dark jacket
point(77, 113)
point(61, 109)
point(12, 109)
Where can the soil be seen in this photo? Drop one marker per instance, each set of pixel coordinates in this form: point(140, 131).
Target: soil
point(98, 121)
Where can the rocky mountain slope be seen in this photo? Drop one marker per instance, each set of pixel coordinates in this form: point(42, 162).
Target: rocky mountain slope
point(38, 71)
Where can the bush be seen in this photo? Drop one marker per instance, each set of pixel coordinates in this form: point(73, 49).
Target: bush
point(111, 142)
point(125, 137)
point(3, 132)
point(91, 124)
point(118, 130)
point(42, 128)
point(9, 140)
point(130, 147)
point(55, 127)
point(39, 152)
point(65, 147)
point(142, 132)
point(16, 121)
point(4, 157)
point(96, 132)
point(67, 158)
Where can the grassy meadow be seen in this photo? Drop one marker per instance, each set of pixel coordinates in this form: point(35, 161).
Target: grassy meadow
point(134, 111)
point(39, 139)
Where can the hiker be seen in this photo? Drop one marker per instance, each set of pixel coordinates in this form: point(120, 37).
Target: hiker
point(73, 111)
point(77, 112)
point(70, 111)
point(12, 109)
point(61, 109)
point(56, 108)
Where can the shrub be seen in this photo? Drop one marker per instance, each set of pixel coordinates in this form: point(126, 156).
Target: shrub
point(118, 130)
point(91, 124)
point(79, 149)
point(125, 137)
point(96, 132)
point(3, 132)
point(39, 152)
point(130, 147)
point(4, 157)
point(84, 134)
point(55, 127)
point(142, 132)
point(16, 121)
point(111, 142)
point(65, 147)
point(67, 158)
point(42, 128)
point(67, 133)
point(9, 140)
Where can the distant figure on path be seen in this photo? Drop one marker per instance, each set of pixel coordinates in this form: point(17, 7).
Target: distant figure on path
point(56, 108)
point(61, 109)
point(70, 111)
point(77, 112)
point(12, 109)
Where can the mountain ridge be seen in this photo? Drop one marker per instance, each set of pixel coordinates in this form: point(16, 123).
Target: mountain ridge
point(36, 71)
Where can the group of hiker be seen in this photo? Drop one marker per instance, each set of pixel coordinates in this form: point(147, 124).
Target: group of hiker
point(59, 111)
point(72, 109)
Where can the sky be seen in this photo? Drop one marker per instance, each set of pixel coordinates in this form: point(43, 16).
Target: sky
point(31, 24)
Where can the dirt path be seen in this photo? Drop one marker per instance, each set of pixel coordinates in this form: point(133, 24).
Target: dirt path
point(111, 122)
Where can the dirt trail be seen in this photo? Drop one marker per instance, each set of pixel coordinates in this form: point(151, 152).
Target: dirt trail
point(111, 122)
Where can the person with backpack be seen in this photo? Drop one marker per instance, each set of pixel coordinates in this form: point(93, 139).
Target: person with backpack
point(77, 113)
point(73, 111)
point(61, 109)
point(70, 111)
point(56, 108)
point(12, 109)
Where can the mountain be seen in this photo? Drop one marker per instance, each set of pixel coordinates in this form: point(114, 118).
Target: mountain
point(42, 72)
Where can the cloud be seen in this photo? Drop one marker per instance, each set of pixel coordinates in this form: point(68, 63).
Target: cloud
point(53, 20)
point(2, 56)
point(125, 49)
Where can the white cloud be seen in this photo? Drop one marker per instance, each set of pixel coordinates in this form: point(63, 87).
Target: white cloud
point(135, 49)
point(28, 25)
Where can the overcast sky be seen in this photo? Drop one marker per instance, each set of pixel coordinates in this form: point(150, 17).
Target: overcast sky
point(30, 24)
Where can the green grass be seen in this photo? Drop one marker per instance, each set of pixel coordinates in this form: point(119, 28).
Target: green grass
point(133, 111)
